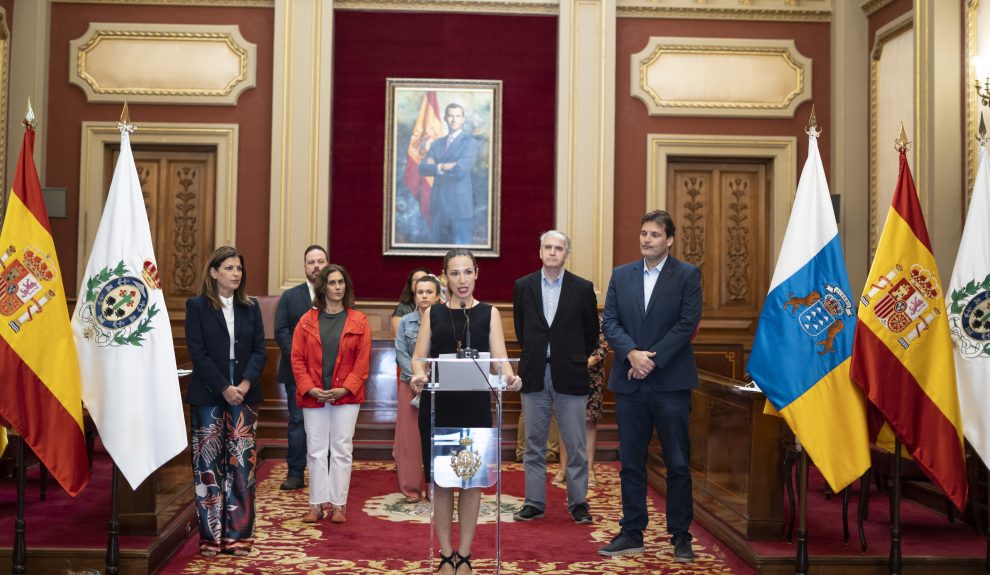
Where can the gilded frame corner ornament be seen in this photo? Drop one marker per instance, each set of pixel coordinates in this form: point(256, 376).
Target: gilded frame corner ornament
point(465, 175)
point(781, 56)
point(207, 48)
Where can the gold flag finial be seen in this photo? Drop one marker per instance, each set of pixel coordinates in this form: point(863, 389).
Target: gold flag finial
point(812, 129)
point(982, 132)
point(29, 122)
point(902, 144)
point(125, 125)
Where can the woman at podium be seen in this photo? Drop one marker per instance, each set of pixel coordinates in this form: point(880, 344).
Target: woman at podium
point(460, 323)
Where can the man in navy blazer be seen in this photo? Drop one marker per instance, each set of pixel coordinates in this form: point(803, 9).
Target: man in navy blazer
point(450, 161)
point(556, 320)
point(652, 310)
point(295, 302)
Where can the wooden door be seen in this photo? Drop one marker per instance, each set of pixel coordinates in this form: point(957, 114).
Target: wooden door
point(721, 210)
point(179, 188)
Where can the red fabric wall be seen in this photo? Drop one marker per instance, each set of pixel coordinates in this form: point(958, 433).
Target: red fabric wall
point(372, 46)
point(67, 109)
point(633, 123)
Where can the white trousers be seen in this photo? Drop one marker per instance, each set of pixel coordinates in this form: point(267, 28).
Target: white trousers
point(329, 433)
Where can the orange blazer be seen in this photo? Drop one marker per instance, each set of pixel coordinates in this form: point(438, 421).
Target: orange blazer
point(353, 358)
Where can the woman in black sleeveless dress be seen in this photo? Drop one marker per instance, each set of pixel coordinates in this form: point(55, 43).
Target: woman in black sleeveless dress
point(444, 330)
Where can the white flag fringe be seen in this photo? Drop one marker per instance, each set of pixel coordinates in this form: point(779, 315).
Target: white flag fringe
point(123, 337)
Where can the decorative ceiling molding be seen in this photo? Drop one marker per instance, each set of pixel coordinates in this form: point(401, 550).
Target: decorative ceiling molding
point(871, 7)
point(668, 77)
point(162, 63)
point(220, 3)
point(544, 7)
point(780, 10)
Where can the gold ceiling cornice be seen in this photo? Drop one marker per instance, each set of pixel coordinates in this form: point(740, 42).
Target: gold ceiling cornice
point(871, 7)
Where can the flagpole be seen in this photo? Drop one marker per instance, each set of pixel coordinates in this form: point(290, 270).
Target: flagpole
point(19, 555)
point(113, 531)
point(801, 561)
point(895, 512)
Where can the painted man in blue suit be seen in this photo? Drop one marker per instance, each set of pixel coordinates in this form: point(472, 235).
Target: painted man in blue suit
point(450, 161)
point(652, 310)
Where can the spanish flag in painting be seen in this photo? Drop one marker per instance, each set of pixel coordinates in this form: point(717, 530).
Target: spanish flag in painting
point(800, 357)
point(40, 392)
point(902, 353)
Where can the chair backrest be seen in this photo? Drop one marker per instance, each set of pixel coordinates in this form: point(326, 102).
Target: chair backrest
point(268, 303)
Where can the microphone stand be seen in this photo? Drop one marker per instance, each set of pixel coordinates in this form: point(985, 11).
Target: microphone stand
point(468, 351)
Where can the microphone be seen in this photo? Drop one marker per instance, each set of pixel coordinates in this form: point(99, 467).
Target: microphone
point(467, 351)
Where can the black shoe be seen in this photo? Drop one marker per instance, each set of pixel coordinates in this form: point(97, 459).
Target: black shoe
point(527, 513)
point(682, 551)
point(622, 544)
point(581, 514)
point(291, 483)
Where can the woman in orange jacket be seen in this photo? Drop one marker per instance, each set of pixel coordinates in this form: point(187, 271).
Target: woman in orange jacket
point(331, 354)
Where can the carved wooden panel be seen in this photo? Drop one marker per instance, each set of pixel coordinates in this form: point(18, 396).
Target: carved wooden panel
point(179, 188)
point(720, 209)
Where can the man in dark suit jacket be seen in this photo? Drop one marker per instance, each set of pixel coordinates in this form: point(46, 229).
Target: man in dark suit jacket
point(652, 309)
point(292, 305)
point(556, 319)
point(450, 161)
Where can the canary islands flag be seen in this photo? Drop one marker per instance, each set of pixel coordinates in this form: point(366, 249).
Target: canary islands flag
point(804, 340)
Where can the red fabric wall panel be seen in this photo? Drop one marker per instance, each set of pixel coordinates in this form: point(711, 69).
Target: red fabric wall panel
point(372, 46)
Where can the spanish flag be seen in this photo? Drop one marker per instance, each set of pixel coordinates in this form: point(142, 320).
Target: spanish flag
point(902, 352)
point(40, 391)
point(428, 127)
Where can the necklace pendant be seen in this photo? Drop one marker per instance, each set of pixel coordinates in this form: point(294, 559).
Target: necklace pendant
point(458, 345)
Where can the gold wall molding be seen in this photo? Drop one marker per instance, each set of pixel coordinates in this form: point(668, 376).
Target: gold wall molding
point(871, 7)
point(977, 46)
point(299, 209)
point(544, 7)
point(162, 63)
point(29, 71)
point(98, 136)
point(775, 10)
point(781, 151)
point(219, 3)
point(892, 101)
point(585, 169)
point(663, 72)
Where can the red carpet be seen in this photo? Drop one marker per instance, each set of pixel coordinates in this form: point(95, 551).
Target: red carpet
point(384, 535)
point(63, 521)
point(924, 533)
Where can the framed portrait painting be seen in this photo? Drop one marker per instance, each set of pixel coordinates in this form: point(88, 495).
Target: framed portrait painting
point(442, 166)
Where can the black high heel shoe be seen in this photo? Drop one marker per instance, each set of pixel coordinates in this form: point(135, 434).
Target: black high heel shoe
point(448, 560)
point(461, 560)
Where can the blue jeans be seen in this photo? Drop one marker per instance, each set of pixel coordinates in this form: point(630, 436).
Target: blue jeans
point(638, 414)
point(296, 457)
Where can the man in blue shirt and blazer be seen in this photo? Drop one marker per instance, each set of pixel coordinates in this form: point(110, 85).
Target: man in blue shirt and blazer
point(295, 302)
point(652, 309)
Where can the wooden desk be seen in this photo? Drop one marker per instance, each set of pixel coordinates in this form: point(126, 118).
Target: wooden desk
point(735, 459)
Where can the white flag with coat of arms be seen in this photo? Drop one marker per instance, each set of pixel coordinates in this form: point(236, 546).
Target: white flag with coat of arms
point(967, 301)
point(129, 381)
